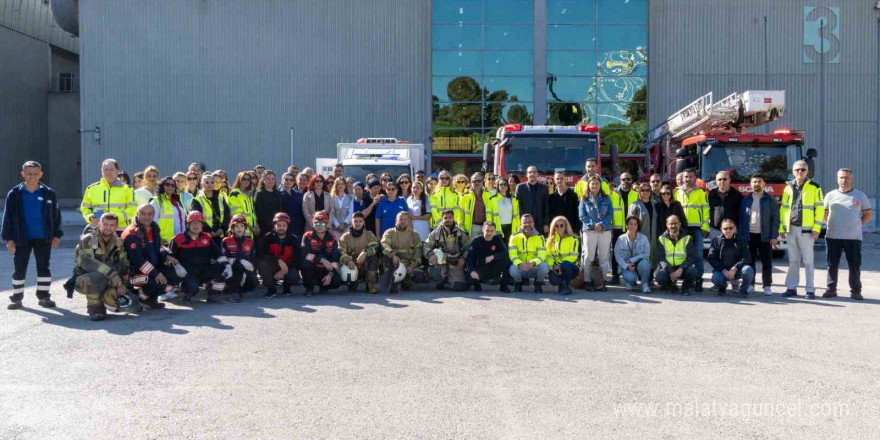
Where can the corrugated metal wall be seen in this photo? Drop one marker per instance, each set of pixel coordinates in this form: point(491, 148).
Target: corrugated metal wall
point(696, 46)
point(23, 87)
point(172, 81)
point(34, 18)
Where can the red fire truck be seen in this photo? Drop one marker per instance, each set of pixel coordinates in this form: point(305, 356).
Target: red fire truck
point(712, 136)
point(550, 148)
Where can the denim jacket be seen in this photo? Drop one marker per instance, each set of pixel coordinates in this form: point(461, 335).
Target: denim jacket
point(595, 210)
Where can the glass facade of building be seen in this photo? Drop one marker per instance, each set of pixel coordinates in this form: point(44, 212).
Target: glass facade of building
point(484, 75)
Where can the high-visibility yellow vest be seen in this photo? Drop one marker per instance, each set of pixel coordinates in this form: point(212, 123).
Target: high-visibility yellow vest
point(523, 249)
point(467, 202)
point(813, 205)
point(676, 252)
point(118, 199)
point(563, 249)
point(444, 198)
point(696, 207)
point(580, 188)
point(619, 217)
point(241, 203)
point(514, 222)
point(165, 214)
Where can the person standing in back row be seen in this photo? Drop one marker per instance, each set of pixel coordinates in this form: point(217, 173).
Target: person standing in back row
point(724, 201)
point(759, 224)
point(800, 213)
point(31, 223)
point(846, 211)
point(696, 221)
point(533, 199)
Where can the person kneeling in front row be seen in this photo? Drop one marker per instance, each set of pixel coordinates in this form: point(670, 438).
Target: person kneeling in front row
point(446, 251)
point(487, 259)
point(676, 255)
point(633, 254)
point(527, 255)
point(358, 250)
point(562, 254)
point(729, 257)
point(280, 256)
point(321, 261)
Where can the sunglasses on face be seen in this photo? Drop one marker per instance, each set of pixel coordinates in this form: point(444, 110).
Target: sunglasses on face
point(665, 194)
point(800, 170)
point(319, 181)
point(722, 179)
point(644, 190)
point(173, 185)
point(320, 224)
point(462, 182)
point(245, 179)
point(477, 181)
point(444, 178)
point(559, 226)
point(626, 180)
point(404, 182)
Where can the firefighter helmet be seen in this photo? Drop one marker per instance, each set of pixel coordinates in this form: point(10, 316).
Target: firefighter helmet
point(195, 216)
point(281, 217)
point(239, 219)
point(320, 216)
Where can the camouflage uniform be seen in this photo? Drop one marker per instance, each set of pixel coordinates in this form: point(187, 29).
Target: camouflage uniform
point(102, 270)
point(454, 244)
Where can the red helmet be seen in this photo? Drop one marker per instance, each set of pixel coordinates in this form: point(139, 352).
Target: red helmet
point(238, 219)
point(281, 217)
point(320, 216)
point(195, 216)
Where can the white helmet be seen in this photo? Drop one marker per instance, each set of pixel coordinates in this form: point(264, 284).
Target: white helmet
point(399, 273)
point(441, 257)
point(348, 275)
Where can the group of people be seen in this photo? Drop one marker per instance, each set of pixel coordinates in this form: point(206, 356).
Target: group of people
point(153, 239)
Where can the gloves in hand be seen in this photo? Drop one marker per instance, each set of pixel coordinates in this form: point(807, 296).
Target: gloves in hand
point(247, 265)
point(179, 270)
point(227, 272)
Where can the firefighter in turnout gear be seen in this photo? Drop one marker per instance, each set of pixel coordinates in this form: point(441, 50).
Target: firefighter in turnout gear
point(358, 249)
point(239, 251)
point(151, 268)
point(401, 244)
point(447, 264)
point(101, 271)
point(280, 256)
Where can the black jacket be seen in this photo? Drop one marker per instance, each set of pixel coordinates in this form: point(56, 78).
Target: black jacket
point(565, 205)
point(13, 216)
point(144, 255)
point(726, 253)
point(292, 204)
point(663, 212)
point(538, 209)
point(722, 208)
point(266, 205)
point(480, 249)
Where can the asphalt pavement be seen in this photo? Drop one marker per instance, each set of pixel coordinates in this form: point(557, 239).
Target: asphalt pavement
point(445, 365)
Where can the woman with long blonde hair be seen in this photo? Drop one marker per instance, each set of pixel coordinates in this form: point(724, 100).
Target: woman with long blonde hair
point(562, 254)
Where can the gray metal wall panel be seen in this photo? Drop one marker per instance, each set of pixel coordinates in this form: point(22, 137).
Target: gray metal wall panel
point(34, 18)
point(169, 81)
point(64, 141)
point(697, 46)
point(23, 89)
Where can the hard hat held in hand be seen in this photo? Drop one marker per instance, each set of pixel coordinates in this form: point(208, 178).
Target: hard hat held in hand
point(441, 256)
point(348, 275)
point(399, 273)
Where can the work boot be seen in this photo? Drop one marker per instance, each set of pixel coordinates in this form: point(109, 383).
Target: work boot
point(234, 298)
point(371, 288)
point(857, 296)
point(686, 291)
point(352, 287)
point(285, 289)
point(699, 287)
point(47, 303)
point(829, 293)
point(213, 299)
point(505, 288)
point(271, 292)
point(673, 288)
point(152, 302)
point(517, 287)
point(440, 286)
point(478, 287)
point(14, 305)
point(323, 289)
point(539, 287)
point(97, 316)
point(722, 290)
point(310, 291)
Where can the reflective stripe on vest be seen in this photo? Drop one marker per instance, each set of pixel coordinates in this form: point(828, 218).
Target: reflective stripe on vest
point(676, 252)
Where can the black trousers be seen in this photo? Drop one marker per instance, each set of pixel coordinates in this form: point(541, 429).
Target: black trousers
point(313, 273)
point(42, 250)
point(615, 273)
point(152, 288)
point(499, 266)
point(853, 249)
point(756, 247)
